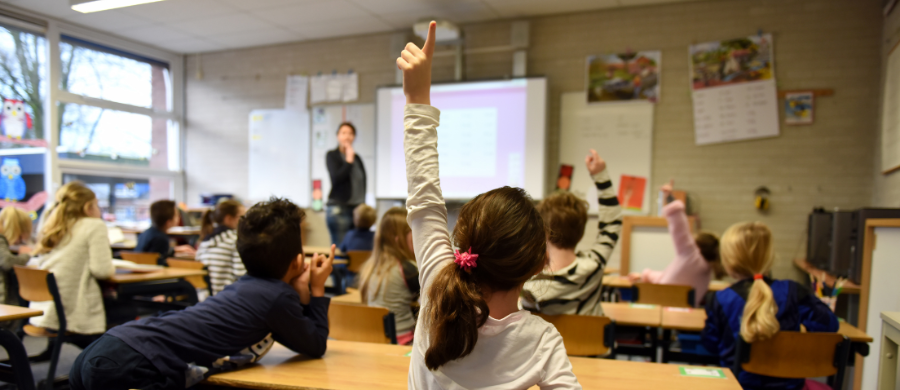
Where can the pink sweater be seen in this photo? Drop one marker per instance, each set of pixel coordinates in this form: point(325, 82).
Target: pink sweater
point(689, 268)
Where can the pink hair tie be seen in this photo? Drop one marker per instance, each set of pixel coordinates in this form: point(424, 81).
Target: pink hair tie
point(465, 260)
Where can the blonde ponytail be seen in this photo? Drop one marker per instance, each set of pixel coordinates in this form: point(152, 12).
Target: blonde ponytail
point(746, 251)
point(70, 207)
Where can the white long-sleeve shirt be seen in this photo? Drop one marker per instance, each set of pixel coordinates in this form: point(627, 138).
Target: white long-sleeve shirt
point(77, 263)
point(514, 352)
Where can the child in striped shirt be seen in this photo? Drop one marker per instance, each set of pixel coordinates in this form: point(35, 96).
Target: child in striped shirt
point(218, 250)
point(571, 283)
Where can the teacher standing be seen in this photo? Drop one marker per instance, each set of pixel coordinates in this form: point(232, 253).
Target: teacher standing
point(348, 183)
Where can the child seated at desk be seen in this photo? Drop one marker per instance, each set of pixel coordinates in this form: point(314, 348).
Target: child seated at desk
point(280, 299)
point(390, 278)
point(360, 238)
point(571, 283)
point(218, 251)
point(163, 216)
point(696, 256)
point(757, 307)
point(73, 244)
point(15, 229)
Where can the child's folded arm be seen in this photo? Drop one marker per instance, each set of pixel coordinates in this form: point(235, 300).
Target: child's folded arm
point(815, 315)
point(301, 331)
point(427, 210)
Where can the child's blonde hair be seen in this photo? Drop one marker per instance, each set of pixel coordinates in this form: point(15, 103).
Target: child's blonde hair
point(746, 251)
point(71, 200)
point(15, 224)
point(390, 248)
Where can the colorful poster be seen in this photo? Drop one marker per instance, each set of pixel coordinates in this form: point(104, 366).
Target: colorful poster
point(624, 76)
point(798, 108)
point(731, 62)
point(631, 192)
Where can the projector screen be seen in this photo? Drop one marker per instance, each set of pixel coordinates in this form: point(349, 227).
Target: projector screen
point(491, 135)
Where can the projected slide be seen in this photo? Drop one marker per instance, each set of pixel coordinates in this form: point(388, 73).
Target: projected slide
point(491, 135)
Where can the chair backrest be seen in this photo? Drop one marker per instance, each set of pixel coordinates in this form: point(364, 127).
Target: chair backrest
point(38, 285)
point(361, 323)
point(663, 294)
point(356, 259)
point(795, 355)
point(584, 335)
point(196, 281)
point(146, 258)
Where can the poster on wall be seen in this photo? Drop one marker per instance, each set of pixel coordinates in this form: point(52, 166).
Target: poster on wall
point(798, 108)
point(733, 90)
point(624, 77)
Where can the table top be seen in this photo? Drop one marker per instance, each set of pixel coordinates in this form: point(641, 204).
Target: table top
point(892, 318)
point(325, 250)
point(351, 365)
point(628, 314)
point(693, 320)
point(165, 273)
point(9, 312)
point(617, 281)
point(349, 297)
point(805, 266)
point(124, 245)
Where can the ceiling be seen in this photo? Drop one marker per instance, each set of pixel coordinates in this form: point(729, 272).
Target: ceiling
point(193, 26)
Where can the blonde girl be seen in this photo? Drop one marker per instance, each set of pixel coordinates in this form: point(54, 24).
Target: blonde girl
point(757, 306)
point(15, 229)
point(73, 244)
point(390, 278)
point(471, 333)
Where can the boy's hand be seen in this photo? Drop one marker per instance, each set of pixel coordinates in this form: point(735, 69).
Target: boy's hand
point(319, 272)
point(667, 189)
point(301, 285)
point(416, 67)
point(594, 163)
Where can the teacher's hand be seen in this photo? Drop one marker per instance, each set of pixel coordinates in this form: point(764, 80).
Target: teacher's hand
point(349, 153)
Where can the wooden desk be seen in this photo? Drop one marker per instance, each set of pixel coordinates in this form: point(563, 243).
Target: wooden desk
point(124, 245)
point(10, 313)
point(629, 315)
point(350, 365)
point(350, 297)
point(163, 274)
point(805, 266)
point(695, 319)
point(618, 281)
point(323, 250)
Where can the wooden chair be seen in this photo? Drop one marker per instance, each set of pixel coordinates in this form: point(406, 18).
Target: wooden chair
point(663, 294)
point(197, 281)
point(356, 259)
point(796, 355)
point(361, 323)
point(584, 335)
point(37, 285)
point(146, 258)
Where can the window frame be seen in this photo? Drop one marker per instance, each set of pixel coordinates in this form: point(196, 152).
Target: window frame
point(53, 31)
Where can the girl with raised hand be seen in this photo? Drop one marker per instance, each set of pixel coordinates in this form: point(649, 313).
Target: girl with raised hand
point(471, 334)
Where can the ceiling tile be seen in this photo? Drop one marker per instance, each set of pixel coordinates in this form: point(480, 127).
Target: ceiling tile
point(209, 27)
point(456, 13)
point(112, 20)
point(175, 10)
point(257, 38)
point(195, 45)
point(299, 15)
point(518, 8)
point(350, 26)
point(251, 5)
point(47, 7)
point(157, 35)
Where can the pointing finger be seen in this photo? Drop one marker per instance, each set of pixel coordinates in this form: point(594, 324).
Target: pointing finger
point(429, 40)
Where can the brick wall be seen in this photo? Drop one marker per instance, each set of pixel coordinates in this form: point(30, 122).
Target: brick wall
point(818, 44)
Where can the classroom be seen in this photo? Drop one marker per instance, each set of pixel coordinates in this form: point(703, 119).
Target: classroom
point(449, 194)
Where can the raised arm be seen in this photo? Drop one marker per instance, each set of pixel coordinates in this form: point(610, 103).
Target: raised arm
point(609, 214)
point(427, 210)
point(679, 227)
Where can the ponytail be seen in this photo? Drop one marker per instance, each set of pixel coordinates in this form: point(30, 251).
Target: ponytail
point(71, 200)
point(206, 224)
point(759, 322)
point(456, 309)
point(746, 250)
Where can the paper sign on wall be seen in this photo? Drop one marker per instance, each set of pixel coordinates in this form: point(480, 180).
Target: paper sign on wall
point(631, 192)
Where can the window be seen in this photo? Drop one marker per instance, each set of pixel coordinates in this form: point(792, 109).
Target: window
point(117, 107)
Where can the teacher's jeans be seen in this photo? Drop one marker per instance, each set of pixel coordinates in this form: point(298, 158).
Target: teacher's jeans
point(340, 220)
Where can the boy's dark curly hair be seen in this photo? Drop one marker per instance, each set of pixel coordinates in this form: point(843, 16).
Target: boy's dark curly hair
point(269, 237)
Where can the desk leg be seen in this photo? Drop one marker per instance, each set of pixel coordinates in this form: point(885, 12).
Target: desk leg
point(666, 344)
point(654, 344)
point(19, 370)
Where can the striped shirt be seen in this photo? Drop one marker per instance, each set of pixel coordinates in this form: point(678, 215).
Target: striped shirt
point(576, 288)
point(218, 253)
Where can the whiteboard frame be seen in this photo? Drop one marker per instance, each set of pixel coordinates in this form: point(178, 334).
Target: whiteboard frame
point(893, 168)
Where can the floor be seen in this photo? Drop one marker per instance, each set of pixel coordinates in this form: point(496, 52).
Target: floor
point(35, 346)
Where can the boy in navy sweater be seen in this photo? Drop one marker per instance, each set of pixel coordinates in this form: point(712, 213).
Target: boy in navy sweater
point(279, 299)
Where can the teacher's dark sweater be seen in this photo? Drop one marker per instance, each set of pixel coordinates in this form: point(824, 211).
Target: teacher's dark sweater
point(339, 170)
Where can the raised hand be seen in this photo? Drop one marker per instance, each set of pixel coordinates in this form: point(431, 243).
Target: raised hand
point(667, 188)
point(319, 270)
point(594, 163)
point(416, 66)
point(349, 153)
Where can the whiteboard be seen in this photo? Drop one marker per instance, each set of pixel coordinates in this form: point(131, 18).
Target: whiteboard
point(890, 115)
point(622, 134)
point(325, 121)
point(885, 295)
point(279, 155)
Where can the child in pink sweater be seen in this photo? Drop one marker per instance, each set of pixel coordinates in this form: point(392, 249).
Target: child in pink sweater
point(695, 256)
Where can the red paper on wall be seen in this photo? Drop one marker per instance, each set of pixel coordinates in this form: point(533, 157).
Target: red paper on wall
point(631, 192)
